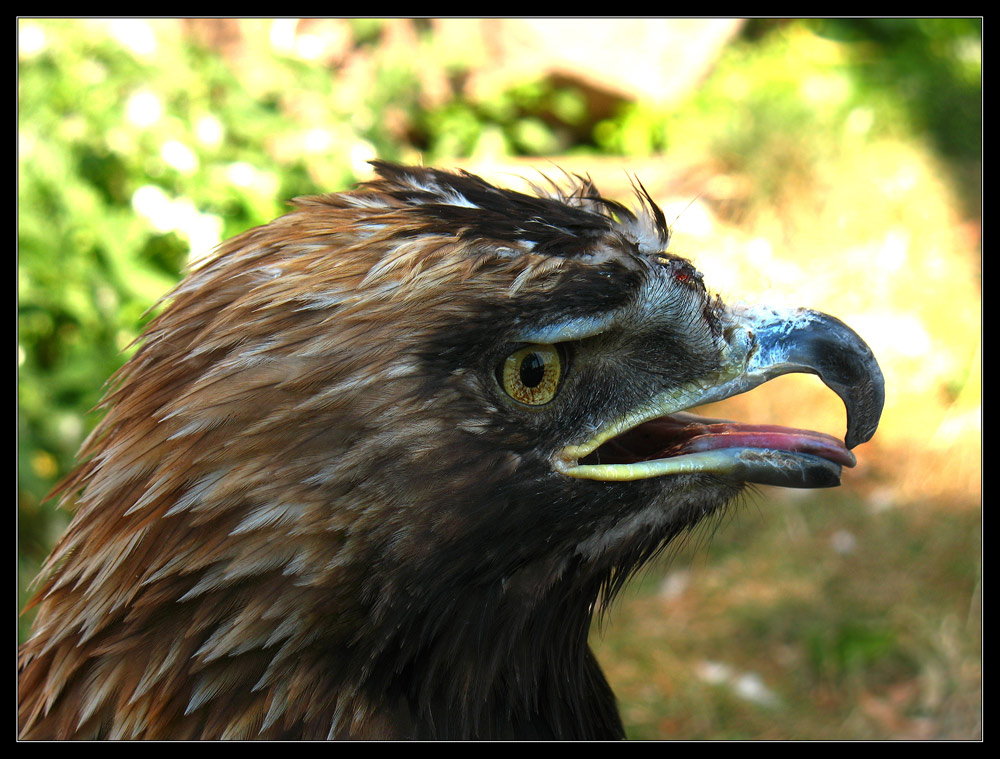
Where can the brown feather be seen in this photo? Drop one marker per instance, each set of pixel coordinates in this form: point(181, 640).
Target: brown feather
point(309, 513)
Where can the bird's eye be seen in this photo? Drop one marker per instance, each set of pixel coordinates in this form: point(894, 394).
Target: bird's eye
point(531, 374)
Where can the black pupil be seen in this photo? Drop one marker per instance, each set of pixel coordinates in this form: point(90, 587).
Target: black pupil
point(532, 370)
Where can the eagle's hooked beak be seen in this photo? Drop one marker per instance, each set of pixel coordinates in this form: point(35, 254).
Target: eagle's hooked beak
point(760, 344)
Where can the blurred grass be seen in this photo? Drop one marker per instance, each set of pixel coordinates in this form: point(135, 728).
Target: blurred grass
point(833, 162)
point(806, 618)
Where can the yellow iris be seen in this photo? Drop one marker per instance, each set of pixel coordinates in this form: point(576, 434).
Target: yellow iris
point(531, 374)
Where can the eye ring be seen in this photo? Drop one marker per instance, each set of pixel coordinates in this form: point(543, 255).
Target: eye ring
point(531, 374)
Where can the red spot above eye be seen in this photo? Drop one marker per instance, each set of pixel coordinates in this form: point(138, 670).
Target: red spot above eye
point(682, 272)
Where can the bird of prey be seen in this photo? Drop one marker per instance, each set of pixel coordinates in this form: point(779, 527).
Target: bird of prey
point(376, 465)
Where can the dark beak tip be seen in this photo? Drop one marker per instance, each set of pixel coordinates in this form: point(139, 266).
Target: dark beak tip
point(856, 437)
point(865, 412)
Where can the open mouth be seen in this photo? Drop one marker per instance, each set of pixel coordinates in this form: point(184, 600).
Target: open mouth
point(683, 434)
point(685, 443)
point(664, 439)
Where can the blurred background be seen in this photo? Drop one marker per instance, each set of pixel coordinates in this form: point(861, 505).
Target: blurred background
point(829, 163)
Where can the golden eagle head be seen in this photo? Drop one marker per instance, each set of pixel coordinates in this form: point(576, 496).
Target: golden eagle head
point(376, 463)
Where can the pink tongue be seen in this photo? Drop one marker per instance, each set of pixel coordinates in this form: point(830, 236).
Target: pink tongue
point(730, 435)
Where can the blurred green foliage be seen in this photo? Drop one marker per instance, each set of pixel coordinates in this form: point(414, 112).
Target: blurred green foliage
point(787, 92)
point(127, 162)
